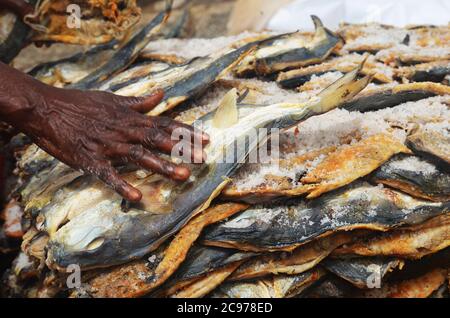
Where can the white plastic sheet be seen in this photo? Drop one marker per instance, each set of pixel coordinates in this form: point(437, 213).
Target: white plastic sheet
point(295, 15)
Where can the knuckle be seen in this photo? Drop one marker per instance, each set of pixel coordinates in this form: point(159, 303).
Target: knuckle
point(133, 100)
point(136, 152)
point(102, 172)
point(164, 122)
point(152, 137)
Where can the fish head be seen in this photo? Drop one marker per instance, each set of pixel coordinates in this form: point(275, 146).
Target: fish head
point(100, 236)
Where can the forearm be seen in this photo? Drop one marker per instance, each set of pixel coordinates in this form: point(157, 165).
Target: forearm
point(19, 7)
point(20, 95)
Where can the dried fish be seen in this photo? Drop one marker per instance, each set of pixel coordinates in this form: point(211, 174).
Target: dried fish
point(100, 21)
point(384, 97)
point(291, 51)
point(277, 286)
point(86, 70)
point(297, 77)
point(358, 206)
point(300, 260)
point(434, 142)
point(362, 272)
point(337, 169)
point(425, 72)
point(412, 242)
point(417, 176)
point(419, 287)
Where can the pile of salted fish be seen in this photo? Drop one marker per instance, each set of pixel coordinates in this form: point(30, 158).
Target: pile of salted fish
point(357, 205)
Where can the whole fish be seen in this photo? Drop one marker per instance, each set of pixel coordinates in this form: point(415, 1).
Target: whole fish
point(285, 227)
point(297, 77)
point(290, 51)
point(145, 275)
point(383, 97)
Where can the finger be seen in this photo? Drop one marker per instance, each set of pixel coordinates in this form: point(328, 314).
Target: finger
point(146, 104)
point(187, 150)
point(162, 141)
point(105, 172)
point(181, 129)
point(154, 139)
point(159, 140)
point(148, 160)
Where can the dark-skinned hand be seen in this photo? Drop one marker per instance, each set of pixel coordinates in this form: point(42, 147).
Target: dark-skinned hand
point(92, 130)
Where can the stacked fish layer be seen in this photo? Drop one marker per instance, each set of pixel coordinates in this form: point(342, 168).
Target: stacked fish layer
point(357, 205)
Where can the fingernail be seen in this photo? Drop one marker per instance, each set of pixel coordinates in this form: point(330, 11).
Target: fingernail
point(159, 93)
point(182, 173)
point(134, 195)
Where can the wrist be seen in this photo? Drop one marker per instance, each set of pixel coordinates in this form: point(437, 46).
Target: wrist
point(19, 7)
point(20, 97)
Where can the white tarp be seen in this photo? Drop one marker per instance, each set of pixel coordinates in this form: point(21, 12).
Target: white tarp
point(295, 15)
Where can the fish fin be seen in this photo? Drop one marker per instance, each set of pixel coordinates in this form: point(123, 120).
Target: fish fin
point(317, 22)
point(227, 113)
point(344, 89)
point(320, 32)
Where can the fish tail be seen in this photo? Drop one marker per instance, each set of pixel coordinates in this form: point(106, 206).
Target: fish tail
point(344, 89)
point(317, 22)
